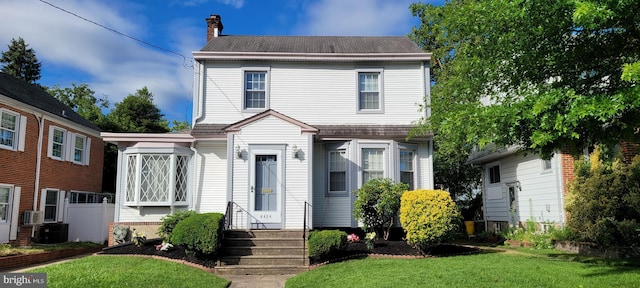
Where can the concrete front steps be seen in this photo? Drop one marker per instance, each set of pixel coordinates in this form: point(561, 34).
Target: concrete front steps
point(263, 252)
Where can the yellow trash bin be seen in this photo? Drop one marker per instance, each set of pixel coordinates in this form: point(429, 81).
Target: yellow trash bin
point(470, 227)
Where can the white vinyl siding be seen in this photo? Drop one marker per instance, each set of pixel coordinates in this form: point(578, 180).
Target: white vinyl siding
point(329, 89)
point(255, 89)
point(211, 161)
point(539, 195)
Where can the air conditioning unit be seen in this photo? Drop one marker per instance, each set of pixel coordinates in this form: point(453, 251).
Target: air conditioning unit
point(32, 218)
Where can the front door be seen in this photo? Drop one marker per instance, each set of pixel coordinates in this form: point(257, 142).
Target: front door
point(265, 192)
point(513, 205)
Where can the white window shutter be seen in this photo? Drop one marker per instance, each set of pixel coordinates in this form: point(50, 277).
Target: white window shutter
point(23, 132)
point(60, 207)
point(43, 199)
point(87, 151)
point(15, 213)
point(50, 144)
point(69, 144)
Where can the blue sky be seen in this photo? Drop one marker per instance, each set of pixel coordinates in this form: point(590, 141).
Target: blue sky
point(73, 50)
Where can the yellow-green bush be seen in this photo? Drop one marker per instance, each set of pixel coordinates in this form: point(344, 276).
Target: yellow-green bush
point(429, 217)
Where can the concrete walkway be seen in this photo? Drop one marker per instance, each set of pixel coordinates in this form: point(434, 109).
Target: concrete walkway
point(257, 281)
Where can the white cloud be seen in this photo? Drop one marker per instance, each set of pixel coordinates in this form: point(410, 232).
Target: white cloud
point(113, 65)
point(234, 3)
point(356, 18)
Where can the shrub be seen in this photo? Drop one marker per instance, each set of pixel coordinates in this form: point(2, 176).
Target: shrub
point(603, 201)
point(170, 221)
point(325, 243)
point(377, 204)
point(429, 217)
point(200, 234)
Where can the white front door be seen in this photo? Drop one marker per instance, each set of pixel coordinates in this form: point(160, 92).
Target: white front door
point(5, 214)
point(265, 191)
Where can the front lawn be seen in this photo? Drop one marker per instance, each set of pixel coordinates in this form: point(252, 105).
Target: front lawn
point(492, 268)
point(8, 250)
point(126, 271)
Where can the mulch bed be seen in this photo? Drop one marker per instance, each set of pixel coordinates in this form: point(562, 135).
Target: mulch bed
point(354, 250)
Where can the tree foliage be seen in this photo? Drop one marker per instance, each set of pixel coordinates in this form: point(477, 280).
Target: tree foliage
point(377, 204)
point(544, 74)
point(138, 113)
point(20, 61)
point(83, 101)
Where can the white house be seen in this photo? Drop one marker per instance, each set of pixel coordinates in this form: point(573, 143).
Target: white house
point(283, 126)
point(518, 187)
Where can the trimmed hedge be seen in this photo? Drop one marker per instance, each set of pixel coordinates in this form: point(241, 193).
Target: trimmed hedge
point(324, 243)
point(170, 221)
point(429, 217)
point(200, 233)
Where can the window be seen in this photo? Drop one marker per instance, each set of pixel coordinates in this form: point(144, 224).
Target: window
point(370, 90)
point(546, 165)
point(494, 174)
point(51, 206)
point(5, 193)
point(255, 90)
point(406, 167)
point(79, 149)
point(8, 129)
point(56, 143)
point(372, 163)
point(337, 171)
point(156, 179)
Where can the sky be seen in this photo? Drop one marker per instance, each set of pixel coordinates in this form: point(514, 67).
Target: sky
point(162, 34)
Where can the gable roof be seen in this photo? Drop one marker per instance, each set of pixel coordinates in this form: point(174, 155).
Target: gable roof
point(312, 48)
point(34, 96)
point(238, 125)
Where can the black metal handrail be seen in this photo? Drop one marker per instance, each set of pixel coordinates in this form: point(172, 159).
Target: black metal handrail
point(307, 208)
point(234, 207)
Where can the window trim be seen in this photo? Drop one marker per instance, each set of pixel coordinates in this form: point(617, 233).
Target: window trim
point(385, 159)
point(9, 203)
point(488, 169)
point(84, 149)
point(414, 164)
point(16, 130)
point(335, 148)
point(267, 87)
point(380, 72)
point(543, 167)
point(59, 205)
point(65, 137)
point(173, 154)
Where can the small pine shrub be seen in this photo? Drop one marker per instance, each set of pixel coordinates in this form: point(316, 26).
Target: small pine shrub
point(429, 218)
point(325, 243)
point(170, 221)
point(200, 234)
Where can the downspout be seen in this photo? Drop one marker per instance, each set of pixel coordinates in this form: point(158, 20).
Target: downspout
point(38, 163)
point(193, 171)
point(198, 105)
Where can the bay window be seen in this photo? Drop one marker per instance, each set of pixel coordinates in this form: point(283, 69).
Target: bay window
point(156, 179)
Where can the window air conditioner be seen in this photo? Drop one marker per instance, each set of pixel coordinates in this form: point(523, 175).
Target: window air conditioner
point(32, 218)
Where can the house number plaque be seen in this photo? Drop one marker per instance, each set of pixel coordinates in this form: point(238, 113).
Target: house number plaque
point(266, 190)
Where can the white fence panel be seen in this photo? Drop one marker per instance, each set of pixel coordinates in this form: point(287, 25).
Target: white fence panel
point(89, 221)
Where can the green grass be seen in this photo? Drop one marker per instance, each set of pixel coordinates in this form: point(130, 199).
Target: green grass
point(8, 250)
point(124, 271)
point(489, 269)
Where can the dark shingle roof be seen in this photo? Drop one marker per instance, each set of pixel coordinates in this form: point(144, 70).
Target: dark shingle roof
point(313, 44)
point(33, 95)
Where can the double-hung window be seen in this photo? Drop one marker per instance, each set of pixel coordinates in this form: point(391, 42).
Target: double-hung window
point(372, 164)
point(547, 167)
point(337, 171)
point(79, 149)
point(67, 146)
point(406, 167)
point(370, 90)
point(5, 196)
point(156, 179)
point(51, 206)
point(9, 130)
point(494, 174)
point(256, 89)
point(57, 143)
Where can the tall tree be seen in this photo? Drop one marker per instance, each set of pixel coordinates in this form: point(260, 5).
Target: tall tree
point(83, 101)
point(20, 61)
point(543, 74)
point(138, 113)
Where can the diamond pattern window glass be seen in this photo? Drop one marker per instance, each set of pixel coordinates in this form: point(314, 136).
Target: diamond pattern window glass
point(157, 179)
point(154, 180)
point(181, 179)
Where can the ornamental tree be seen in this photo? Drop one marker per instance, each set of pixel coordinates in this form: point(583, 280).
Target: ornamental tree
point(377, 204)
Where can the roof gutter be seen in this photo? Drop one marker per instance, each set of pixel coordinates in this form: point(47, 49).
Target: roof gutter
point(283, 56)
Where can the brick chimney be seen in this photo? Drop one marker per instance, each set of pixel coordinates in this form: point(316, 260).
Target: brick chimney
point(214, 26)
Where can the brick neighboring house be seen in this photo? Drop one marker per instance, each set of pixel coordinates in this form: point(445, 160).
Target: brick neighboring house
point(46, 150)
